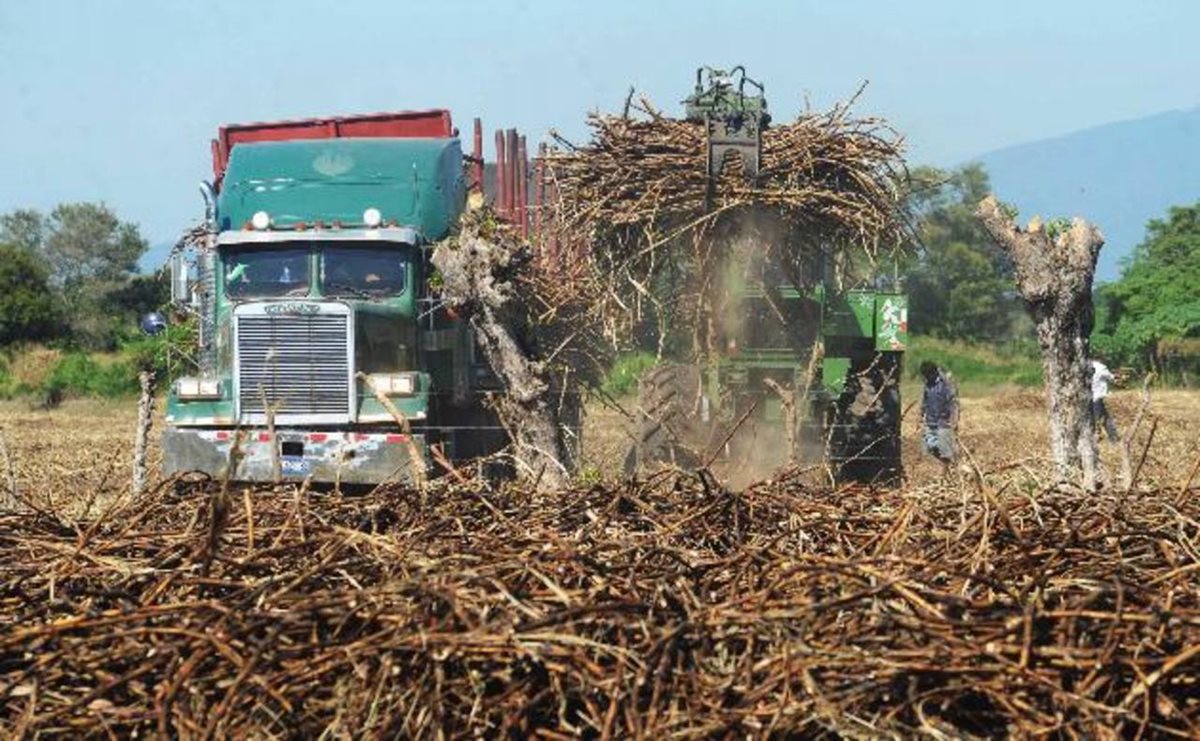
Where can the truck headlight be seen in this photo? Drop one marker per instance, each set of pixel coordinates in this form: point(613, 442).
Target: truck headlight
point(198, 388)
point(394, 384)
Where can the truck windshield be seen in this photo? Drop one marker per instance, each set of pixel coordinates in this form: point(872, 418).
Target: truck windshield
point(364, 271)
point(266, 271)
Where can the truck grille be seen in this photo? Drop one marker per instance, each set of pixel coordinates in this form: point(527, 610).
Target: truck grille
point(297, 364)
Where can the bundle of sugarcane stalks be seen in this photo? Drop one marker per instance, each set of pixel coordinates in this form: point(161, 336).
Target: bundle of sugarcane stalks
point(644, 177)
point(665, 606)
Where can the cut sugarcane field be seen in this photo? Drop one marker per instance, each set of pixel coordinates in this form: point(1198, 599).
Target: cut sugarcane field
point(706, 415)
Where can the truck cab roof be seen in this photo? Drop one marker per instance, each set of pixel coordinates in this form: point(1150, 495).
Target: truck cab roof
point(416, 183)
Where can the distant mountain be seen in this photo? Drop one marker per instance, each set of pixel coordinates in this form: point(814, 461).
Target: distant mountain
point(1118, 176)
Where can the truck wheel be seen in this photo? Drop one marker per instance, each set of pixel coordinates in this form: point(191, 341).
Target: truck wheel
point(666, 400)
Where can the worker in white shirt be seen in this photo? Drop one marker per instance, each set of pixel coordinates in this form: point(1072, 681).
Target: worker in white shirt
point(1101, 377)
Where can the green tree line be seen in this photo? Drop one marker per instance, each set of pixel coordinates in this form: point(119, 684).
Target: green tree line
point(961, 285)
point(69, 278)
point(68, 291)
point(1149, 319)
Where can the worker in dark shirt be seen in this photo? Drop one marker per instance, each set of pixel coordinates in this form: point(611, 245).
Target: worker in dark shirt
point(939, 413)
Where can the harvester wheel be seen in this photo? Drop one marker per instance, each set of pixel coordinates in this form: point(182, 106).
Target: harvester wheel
point(667, 401)
point(865, 439)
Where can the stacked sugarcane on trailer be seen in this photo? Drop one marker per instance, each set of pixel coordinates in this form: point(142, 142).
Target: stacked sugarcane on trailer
point(761, 252)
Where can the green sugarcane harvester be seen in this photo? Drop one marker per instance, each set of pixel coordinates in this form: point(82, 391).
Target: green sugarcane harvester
point(733, 120)
point(804, 361)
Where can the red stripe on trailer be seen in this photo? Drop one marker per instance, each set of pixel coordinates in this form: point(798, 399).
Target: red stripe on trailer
point(397, 438)
point(317, 437)
point(264, 437)
point(222, 435)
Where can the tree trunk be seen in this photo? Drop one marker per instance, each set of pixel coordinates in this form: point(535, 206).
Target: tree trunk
point(477, 278)
point(1054, 273)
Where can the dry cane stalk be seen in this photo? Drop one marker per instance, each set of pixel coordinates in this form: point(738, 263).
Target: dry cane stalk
point(416, 461)
point(787, 399)
point(142, 433)
point(656, 607)
point(11, 477)
point(1126, 443)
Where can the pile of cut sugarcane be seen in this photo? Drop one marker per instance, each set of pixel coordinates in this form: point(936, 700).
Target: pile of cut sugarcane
point(645, 176)
point(661, 607)
point(633, 227)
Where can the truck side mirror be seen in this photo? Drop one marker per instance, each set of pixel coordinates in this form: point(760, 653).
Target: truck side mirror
point(153, 323)
point(180, 288)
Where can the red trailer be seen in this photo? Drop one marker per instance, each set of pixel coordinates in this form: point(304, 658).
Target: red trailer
point(405, 124)
point(511, 186)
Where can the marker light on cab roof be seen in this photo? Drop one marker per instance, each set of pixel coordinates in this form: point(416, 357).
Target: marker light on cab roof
point(372, 218)
point(261, 220)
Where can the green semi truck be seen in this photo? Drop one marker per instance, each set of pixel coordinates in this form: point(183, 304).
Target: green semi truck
point(322, 353)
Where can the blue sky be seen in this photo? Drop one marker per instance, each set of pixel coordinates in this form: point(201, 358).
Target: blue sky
point(117, 102)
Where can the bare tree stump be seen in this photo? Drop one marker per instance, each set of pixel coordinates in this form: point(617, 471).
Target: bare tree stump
point(1054, 273)
point(477, 275)
point(142, 434)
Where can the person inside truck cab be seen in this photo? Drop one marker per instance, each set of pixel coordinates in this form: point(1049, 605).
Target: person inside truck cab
point(364, 270)
point(264, 273)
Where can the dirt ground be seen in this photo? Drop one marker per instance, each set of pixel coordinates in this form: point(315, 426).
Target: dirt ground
point(1004, 429)
point(82, 450)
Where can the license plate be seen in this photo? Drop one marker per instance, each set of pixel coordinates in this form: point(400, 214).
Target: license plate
point(295, 466)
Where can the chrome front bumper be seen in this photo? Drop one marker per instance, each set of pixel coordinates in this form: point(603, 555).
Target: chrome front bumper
point(334, 457)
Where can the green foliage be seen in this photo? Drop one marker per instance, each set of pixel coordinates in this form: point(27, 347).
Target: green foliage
point(1057, 227)
point(1157, 298)
point(78, 374)
point(962, 296)
point(140, 294)
point(1012, 363)
point(88, 241)
point(38, 371)
point(169, 354)
point(28, 310)
point(959, 282)
point(589, 476)
point(8, 387)
point(104, 311)
point(88, 255)
point(623, 377)
point(24, 228)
